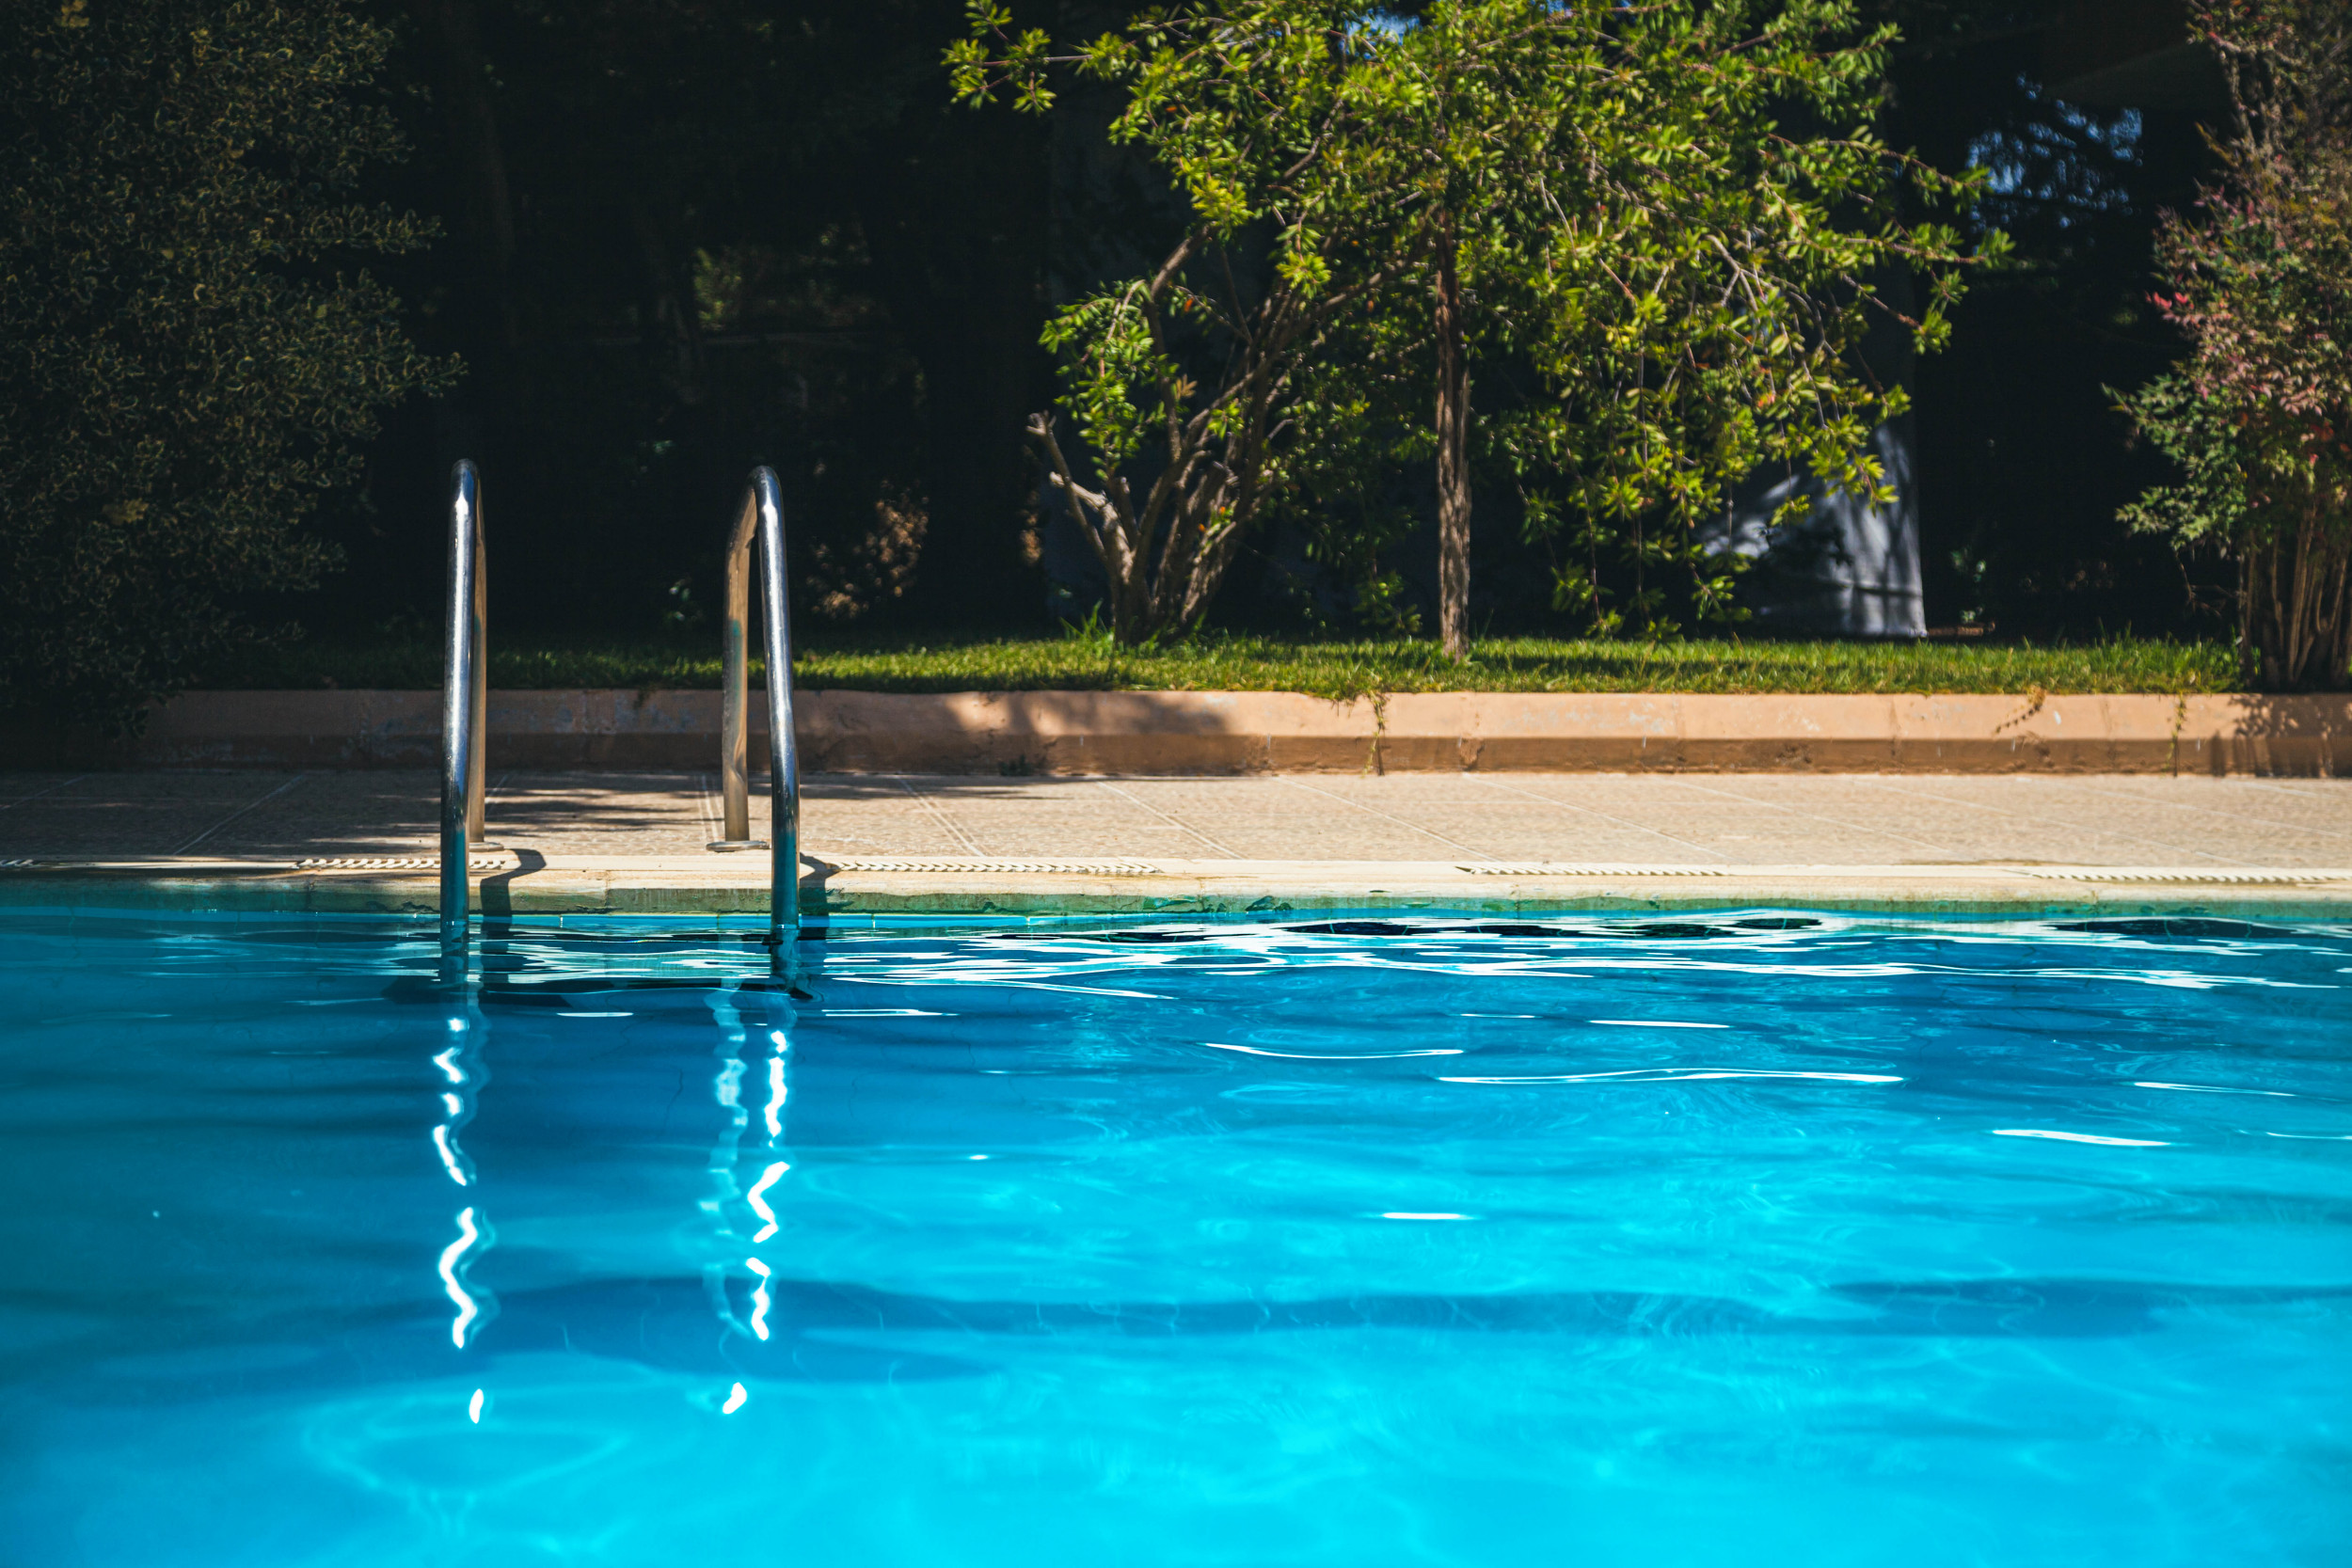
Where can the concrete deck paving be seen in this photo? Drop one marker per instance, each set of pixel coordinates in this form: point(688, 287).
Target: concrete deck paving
point(607, 841)
point(1711, 819)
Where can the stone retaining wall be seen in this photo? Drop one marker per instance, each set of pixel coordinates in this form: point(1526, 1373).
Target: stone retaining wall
point(1241, 732)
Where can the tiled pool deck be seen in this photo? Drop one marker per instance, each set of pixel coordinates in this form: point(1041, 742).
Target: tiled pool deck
point(581, 840)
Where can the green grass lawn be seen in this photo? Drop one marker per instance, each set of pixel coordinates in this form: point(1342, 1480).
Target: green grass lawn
point(1233, 663)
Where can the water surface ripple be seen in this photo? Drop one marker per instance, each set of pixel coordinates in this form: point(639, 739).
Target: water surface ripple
point(1756, 1237)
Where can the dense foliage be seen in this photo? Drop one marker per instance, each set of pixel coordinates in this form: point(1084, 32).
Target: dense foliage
point(1673, 217)
point(2259, 417)
point(1676, 220)
point(683, 236)
point(689, 235)
point(1276, 128)
point(189, 349)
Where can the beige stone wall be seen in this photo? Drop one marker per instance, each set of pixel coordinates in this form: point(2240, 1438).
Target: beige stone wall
point(1241, 731)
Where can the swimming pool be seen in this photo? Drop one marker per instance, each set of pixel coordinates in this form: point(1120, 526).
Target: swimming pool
point(1757, 1238)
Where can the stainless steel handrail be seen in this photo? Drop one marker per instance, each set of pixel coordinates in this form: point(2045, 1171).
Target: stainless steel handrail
point(762, 515)
point(464, 672)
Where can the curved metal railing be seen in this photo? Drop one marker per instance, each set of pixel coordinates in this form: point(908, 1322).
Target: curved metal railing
point(464, 695)
point(762, 516)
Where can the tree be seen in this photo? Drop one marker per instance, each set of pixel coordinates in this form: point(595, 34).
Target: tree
point(1611, 192)
point(1676, 216)
point(2259, 417)
point(1182, 381)
point(186, 362)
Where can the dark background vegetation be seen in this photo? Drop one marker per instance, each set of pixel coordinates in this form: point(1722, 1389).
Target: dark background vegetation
point(684, 236)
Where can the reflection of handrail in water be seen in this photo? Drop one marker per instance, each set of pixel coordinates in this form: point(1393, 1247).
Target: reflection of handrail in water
point(468, 1311)
point(460, 1107)
point(762, 517)
point(464, 698)
point(463, 1075)
point(727, 1087)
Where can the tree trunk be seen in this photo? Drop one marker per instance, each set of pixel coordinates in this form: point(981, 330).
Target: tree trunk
point(1453, 490)
point(2297, 601)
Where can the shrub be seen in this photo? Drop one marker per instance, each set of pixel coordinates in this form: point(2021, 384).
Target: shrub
point(2259, 417)
point(186, 353)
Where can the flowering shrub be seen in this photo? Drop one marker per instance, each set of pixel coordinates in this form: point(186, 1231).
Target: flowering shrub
point(2258, 416)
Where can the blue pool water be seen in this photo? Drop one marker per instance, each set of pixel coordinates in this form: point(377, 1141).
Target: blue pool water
point(1752, 1240)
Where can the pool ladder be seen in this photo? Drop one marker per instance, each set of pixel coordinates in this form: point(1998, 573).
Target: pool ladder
point(761, 518)
point(464, 699)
